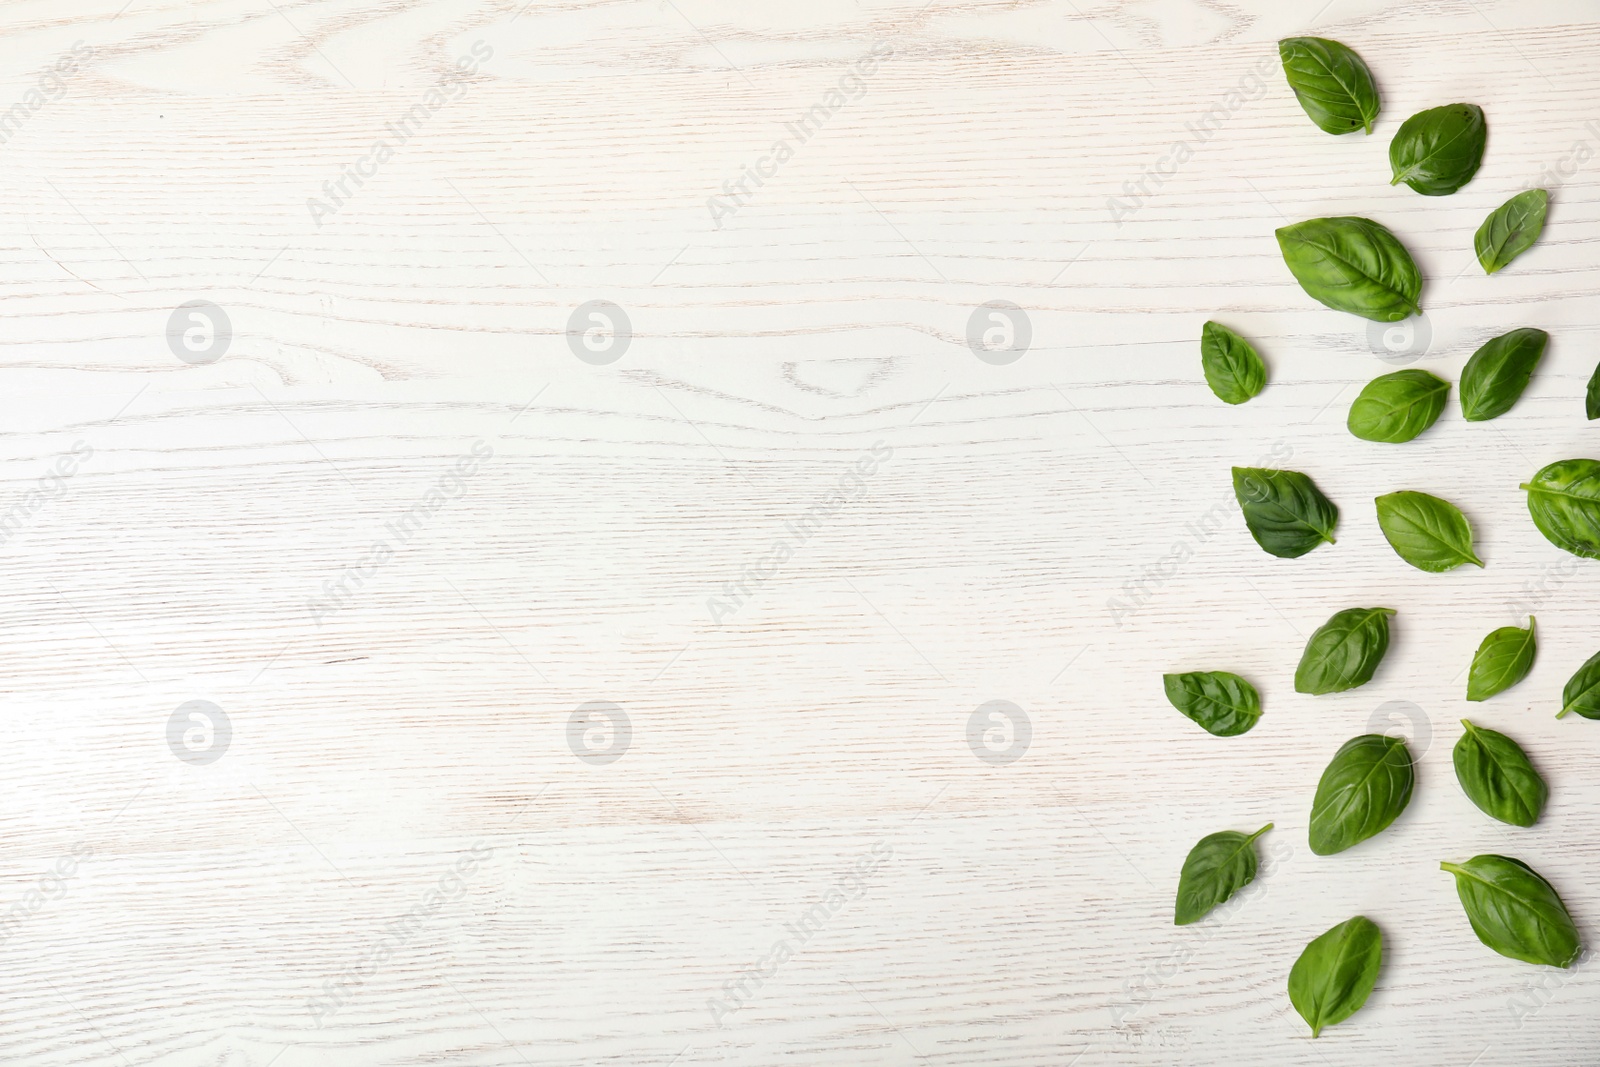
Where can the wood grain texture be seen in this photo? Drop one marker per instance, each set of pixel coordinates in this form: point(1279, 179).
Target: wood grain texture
point(399, 858)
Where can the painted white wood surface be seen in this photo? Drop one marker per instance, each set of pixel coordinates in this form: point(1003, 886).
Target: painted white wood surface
point(815, 739)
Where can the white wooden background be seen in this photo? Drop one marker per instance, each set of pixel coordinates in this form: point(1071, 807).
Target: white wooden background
point(158, 911)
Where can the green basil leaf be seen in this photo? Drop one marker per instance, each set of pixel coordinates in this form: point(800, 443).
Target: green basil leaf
point(1365, 788)
point(1511, 229)
point(1344, 652)
point(1497, 776)
point(1582, 691)
point(1352, 264)
point(1335, 974)
point(1591, 398)
point(1498, 372)
point(1232, 367)
point(1397, 407)
point(1502, 660)
point(1223, 704)
point(1331, 82)
point(1285, 511)
point(1428, 533)
point(1438, 151)
point(1514, 911)
point(1564, 500)
point(1215, 869)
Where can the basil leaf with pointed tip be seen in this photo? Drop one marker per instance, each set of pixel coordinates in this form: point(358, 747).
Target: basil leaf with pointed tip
point(1231, 364)
point(1285, 511)
point(1352, 264)
point(1564, 500)
point(1336, 972)
point(1344, 652)
point(1215, 869)
point(1428, 533)
point(1331, 82)
point(1498, 777)
point(1437, 151)
point(1502, 660)
point(1498, 372)
point(1515, 911)
point(1397, 407)
point(1511, 229)
point(1223, 704)
point(1582, 691)
point(1365, 787)
point(1591, 396)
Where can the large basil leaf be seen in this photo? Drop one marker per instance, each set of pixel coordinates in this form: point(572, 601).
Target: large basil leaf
point(1497, 776)
point(1564, 500)
point(1365, 788)
point(1582, 691)
point(1502, 660)
point(1335, 974)
point(1285, 511)
point(1498, 372)
point(1215, 869)
point(1223, 704)
point(1438, 151)
point(1331, 82)
point(1344, 652)
point(1428, 533)
point(1232, 367)
point(1511, 229)
point(1352, 264)
point(1397, 407)
point(1514, 911)
point(1591, 397)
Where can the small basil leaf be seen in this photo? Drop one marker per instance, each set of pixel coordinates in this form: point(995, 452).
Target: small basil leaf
point(1514, 911)
point(1511, 229)
point(1564, 500)
point(1232, 367)
point(1397, 407)
point(1344, 652)
point(1502, 660)
point(1582, 691)
point(1365, 788)
point(1352, 264)
point(1591, 398)
point(1497, 776)
point(1223, 704)
point(1331, 82)
point(1335, 974)
point(1215, 869)
point(1498, 372)
point(1438, 151)
point(1428, 533)
point(1285, 511)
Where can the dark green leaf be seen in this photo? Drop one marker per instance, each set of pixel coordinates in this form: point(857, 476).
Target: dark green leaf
point(1232, 368)
point(1335, 974)
point(1582, 691)
point(1352, 264)
point(1215, 869)
point(1364, 789)
point(1331, 82)
point(1564, 500)
point(1438, 151)
point(1497, 776)
point(1428, 533)
point(1591, 398)
point(1344, 652)
point(1397, 407)
point(1224, 704)
point(1514, 911)
point(1498, 372)
point(1285, 511)
point(1502, 660)
point(1511, 229)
